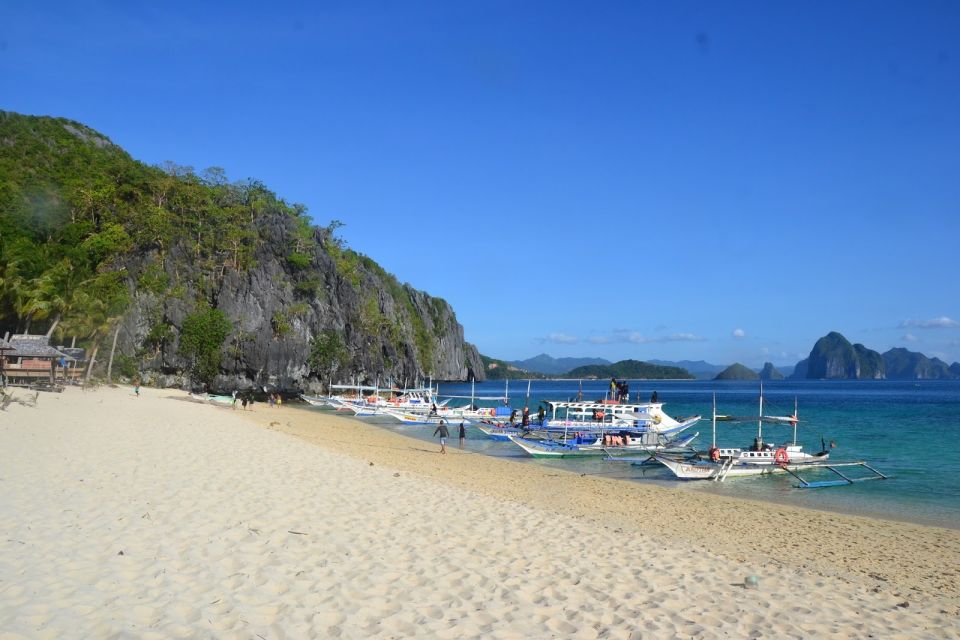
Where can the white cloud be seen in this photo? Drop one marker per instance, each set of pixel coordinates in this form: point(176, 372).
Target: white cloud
point(682, 337)
point(909, 337)
point(739, 333)
point(561, 338)
point(635, 337)
point(943, 322)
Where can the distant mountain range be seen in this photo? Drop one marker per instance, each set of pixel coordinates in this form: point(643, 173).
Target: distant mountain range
point(554, 366)
point(833, 357)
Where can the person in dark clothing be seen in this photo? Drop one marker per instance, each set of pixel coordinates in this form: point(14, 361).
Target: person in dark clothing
point(444, 434)
point(513, 417)
point(541, 414)
point(653, 397)
point(463, 434)
point(433, 408)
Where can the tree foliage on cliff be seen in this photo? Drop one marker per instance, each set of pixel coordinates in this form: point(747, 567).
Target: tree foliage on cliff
point(201, 342)
point(74, 206)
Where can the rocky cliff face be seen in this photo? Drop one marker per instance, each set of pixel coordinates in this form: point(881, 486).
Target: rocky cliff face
point(833, 357)
point(902, 364)
point(389, 332)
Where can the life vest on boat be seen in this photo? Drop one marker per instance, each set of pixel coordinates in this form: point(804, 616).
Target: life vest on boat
point(780, 456)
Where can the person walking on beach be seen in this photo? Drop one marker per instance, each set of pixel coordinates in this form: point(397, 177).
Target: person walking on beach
point(136, 387)
point(444, 434)
point(463, 434)
point(243, 401)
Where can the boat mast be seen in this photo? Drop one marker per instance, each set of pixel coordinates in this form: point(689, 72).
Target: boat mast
point(714, 445)
point(473, 383)
point(760, 418)
point(527, 403)
point(795, 421)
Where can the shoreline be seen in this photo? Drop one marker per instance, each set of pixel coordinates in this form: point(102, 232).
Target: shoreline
point(667, 484)
point(159, 516)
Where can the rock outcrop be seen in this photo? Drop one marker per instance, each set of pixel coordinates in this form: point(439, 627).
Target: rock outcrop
point(834, 358)
point(769, 372)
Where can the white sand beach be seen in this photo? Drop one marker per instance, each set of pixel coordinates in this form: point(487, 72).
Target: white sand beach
point(159, 517)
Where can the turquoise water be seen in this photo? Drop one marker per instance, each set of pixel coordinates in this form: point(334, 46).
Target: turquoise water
point(907, 430)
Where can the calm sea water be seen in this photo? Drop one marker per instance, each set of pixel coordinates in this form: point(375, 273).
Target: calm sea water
point(907, 430)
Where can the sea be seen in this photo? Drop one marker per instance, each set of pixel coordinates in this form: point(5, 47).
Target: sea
point(907, 430)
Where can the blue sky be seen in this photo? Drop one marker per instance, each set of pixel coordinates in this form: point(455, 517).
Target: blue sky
point(725, 181)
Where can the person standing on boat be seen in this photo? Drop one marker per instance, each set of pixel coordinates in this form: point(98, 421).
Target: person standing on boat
point(444, 434)
point(463, 434)
point(653, 397)
point(541, 414)
point(613, 388)
point(525, 420)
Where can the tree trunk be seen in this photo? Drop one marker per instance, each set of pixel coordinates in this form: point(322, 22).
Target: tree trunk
point(73, 342)
point(113, 348)
point(93, 358)
point(53, 326)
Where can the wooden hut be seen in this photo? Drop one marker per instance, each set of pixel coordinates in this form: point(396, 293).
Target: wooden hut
point(32, 359)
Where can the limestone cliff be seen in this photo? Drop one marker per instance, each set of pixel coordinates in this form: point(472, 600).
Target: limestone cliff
point(833, 357)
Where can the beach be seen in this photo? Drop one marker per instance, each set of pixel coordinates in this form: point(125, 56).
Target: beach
point(160, 517)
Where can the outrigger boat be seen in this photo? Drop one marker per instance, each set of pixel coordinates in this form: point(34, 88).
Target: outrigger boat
point(758, 460)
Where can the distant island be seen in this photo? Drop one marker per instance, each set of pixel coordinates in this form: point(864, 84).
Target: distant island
point(737, 371)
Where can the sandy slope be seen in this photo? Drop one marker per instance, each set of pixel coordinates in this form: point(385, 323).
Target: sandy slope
point(159, 517)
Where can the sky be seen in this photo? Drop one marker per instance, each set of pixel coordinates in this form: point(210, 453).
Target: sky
point(685, 180)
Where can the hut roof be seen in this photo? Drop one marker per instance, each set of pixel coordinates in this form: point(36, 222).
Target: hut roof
point(29, 346)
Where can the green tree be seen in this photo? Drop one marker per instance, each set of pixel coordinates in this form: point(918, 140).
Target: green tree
point(201, 342)
point(327, 353)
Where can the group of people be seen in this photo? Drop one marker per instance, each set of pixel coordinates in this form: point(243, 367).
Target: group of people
point(525, 417)
point(444, 433)
point(246, 399)
point(619, 391)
